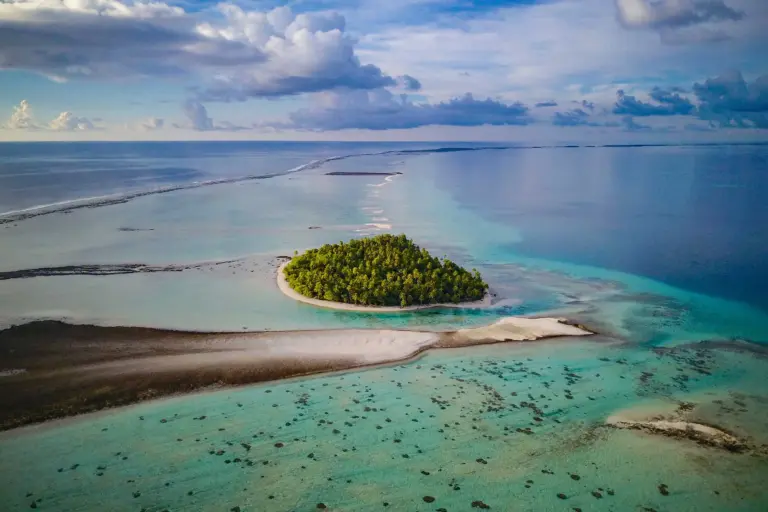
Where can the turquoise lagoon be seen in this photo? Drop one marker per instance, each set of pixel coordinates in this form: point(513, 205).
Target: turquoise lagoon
point(446, 425)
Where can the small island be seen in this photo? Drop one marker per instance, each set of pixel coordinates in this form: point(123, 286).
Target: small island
point(384, 272)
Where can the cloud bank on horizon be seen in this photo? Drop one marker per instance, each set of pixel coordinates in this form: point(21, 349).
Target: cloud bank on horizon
point(598, 68)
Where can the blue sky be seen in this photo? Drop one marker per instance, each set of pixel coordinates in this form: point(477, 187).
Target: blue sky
point(544, 71)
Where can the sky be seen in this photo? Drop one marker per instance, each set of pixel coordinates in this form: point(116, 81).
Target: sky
point(529, 71)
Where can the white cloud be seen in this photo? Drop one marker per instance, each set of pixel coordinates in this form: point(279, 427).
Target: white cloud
point(305, 53)
point(198, 116)
point(251, 53)
point(114, 8)
point(22, 119)
point(200, 121)
point(153, 123)
point(67, 121)
point(561, 51)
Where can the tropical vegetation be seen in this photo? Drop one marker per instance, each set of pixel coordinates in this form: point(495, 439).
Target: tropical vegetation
point(384, 270)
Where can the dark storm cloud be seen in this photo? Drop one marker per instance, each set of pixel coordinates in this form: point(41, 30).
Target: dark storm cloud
point(730, 101)
point(409, 83)
point(666, 14)
point(668, 103)
point(575, 117)
point(69, 45)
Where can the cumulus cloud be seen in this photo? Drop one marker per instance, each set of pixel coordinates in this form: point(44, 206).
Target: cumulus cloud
point(673, 13)
point(304, 53)
point(226, 126)
point(22, 119)
point(730, 101)
point(575, 117)
point(543, 104)
point(731, 92)
point(680, 22)
point(409, 83)
point(92, 39)
point(382, 110)
point(249, 53)
point(68, 122)
point(580, 117)
point(198, 116)
point(153, 123)
point(199, 120)
point(669, 102)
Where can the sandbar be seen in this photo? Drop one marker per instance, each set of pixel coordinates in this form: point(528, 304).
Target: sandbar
point(72, 369)
point(678, 425)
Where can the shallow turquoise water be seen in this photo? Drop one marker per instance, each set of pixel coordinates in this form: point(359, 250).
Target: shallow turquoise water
point(444, 426)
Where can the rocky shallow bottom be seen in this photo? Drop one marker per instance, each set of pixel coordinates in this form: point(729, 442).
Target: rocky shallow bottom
point(500, 427)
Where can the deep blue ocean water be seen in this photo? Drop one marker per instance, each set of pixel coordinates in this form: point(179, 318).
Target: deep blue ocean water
point(693, 217)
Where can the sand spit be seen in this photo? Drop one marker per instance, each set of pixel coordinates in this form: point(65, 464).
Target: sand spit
point(110, 269)
point(73, 369)
point(284, 287)
point(702, 434)
point(681, 423)
point(514, 329)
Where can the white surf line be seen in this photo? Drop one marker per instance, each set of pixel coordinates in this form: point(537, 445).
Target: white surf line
point(127, 196)
point(60, 203)
point(119, 198)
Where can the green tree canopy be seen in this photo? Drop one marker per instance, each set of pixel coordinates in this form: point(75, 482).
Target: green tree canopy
point(384, 270)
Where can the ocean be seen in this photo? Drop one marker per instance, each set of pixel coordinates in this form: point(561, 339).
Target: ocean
point(661, 249)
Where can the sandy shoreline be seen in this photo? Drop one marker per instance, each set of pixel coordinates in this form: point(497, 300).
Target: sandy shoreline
point(284, 287)
point(71, 369)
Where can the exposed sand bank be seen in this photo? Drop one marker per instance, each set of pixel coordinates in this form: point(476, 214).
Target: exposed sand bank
point(72, 369)
point(516, 329)
point(678, 425)
point(282, 283)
